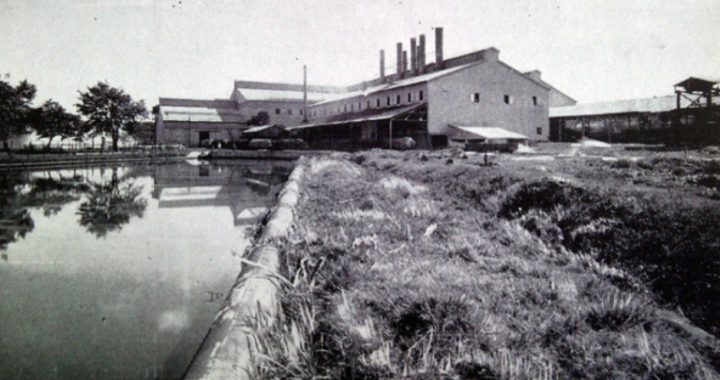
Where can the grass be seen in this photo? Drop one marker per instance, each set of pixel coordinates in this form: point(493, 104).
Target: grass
point(412, 266)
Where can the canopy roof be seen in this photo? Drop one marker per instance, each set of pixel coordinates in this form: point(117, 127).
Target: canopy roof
point(693, 84)
point(372, 114)
point(201, 114)
point(487, 133)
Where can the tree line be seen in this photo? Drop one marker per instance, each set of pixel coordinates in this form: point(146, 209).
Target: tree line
point(101, 109)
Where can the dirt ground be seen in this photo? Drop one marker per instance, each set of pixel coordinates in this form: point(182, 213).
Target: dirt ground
point(564, 261)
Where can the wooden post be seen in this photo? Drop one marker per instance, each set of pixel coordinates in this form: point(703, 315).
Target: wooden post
point(390, 135)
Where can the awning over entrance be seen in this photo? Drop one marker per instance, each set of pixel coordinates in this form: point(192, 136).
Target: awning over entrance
point(485, 133)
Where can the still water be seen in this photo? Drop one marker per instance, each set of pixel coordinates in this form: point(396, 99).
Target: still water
point(117, 272)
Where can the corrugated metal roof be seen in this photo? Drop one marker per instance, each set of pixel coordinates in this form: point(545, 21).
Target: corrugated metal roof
point(400, 83)
point(379, 114)
point(489, 133)
point(254, 94)
point(654, 104)
point(200, 114)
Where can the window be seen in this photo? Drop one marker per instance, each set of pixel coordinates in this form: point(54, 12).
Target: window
point(508, 99)
point(388, 100)
point(475, 97)
point(539, 130)
point(345, 107)
point(409, 97)
point(352, 107)
point(277, 111)
point(377, 102)
point(420, 95)
point(289, 111)
point(398, 99)
point(368, 104)
point(359, 106)
point(535, 100)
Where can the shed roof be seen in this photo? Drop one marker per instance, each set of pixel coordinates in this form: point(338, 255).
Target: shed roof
point(488, 133)
point(254, 94)
point(201, 114)
point(373, 114)
point(653, 105)
point(693, 84)
point(261, 128)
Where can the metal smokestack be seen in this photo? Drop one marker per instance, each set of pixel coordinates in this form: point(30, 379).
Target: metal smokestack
point(382, 65)
point(305, 118)
point(413, 55)
point(399, 58)
point(421, 53)
point(439, 47)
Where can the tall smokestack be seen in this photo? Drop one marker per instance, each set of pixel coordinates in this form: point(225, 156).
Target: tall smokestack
point(399, 58)
point(305, 117)
point(421, 53)
point(413, 55)
point(404, 62)
point(439, 47)
point(382, 65)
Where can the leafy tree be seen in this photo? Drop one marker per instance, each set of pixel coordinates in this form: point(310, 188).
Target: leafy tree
point(262, 118)
point(110, 110)
point(14, 109)
point(51, 120)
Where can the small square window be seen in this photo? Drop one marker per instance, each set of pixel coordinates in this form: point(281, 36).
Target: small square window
point(535, 100)
point(508, 99)
point(409, 97)
point(388, 100)
point(539, 130)
point(289, 111)
point(277, 111)
point(398, 99)
point(475, 97)
point(420, 95)
point(377, 102)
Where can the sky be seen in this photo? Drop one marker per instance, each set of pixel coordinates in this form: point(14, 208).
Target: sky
point(593, 50)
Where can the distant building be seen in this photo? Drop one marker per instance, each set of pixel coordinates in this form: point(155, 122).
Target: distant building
point(693, 109)
point(425, 101)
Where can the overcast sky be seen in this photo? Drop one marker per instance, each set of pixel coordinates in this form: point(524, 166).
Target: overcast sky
point(593, 50)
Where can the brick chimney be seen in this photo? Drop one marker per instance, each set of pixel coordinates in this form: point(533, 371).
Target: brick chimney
point(535, 75)
point(439, 47)
point(404, 61)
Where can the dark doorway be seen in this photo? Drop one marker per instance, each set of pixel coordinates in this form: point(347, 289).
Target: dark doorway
point(204, 137)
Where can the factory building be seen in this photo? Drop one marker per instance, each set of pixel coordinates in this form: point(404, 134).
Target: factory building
point(465, 98)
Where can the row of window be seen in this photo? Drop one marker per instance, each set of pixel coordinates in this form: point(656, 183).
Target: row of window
point(352, 107)
point(507, 99)
point(289, 111)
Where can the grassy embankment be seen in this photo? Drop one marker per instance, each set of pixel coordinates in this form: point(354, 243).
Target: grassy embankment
point(406, 266)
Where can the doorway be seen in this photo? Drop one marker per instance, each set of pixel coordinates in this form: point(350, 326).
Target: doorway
point(204, 138)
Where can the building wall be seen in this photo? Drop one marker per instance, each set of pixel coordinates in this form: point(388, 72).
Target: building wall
point(558, 99)
point(450, 101)
point(188, 134)
point(360, 103)
point(290, 112)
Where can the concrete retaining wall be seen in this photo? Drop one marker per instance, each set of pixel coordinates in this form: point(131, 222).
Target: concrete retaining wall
point(226, 351)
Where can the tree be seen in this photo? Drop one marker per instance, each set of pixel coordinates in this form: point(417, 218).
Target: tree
point(262, 118)
point(14, 109)
point(51, 120)
point(110, 110)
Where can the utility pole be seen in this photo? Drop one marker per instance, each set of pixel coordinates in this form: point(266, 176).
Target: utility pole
point(305, 118)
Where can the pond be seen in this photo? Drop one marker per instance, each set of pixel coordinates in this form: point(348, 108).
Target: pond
point(117, 272)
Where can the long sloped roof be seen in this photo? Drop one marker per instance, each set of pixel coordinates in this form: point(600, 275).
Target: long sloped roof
point(373, 114)
point(653, 105)
point(399, 83)
point(254, 94)
point(201, 114)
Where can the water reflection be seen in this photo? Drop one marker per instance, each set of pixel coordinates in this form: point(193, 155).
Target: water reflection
point(110, 204)
point(118, 272)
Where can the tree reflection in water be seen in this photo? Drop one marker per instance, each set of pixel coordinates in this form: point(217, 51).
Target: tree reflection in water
point(111, 204)
point(15, 220)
